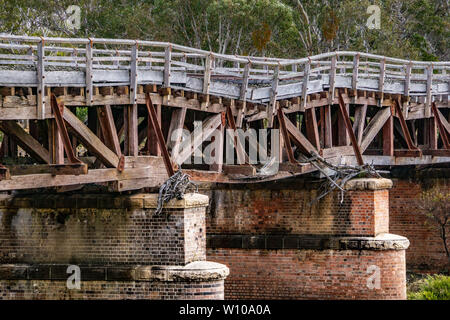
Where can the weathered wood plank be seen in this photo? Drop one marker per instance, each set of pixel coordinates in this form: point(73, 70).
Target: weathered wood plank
point(53, 169)
point(93, 176)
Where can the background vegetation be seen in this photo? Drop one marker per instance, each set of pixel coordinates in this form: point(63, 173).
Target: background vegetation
point(413, 29)
point(431, 287)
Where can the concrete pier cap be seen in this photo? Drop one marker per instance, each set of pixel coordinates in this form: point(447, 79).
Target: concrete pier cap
point(368, 184)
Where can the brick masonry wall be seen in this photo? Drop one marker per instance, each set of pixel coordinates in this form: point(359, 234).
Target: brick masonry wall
point(285, 209)
point(426, 252)
point(96, 236)
point(111, 290)
point(311, 274)
point(50, 232)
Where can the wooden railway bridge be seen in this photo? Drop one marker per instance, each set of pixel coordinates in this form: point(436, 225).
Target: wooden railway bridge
point(348, 107)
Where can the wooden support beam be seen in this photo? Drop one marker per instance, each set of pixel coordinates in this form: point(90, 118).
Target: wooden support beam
point(156, 127)
point(152, 137)
point(58, 109)
point(240, 151)
point(436, 153)
point(350, 132)
point(25, 141)
point(405, 129)
point(312, 132)
point(328, 130)
point(108, 128)
point(285, 134)
point(4, 173)
point(246, 170)
point(442, 131)
point(49, 180)
point(408, 153)
point(388, 137)
point(218, 152)
point(132, 130)
point(90, 140)
point(55, 144)
point(430, 133)
point(343, 138)
point(53, 169)
point(360, 122)
point(444, 121)
point(175, 130)
point(374, 126)
point(337, 152)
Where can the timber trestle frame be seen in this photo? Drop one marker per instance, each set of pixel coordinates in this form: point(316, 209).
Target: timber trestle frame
point(109, 111)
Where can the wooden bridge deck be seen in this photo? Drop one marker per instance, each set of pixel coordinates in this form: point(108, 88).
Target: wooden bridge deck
point(348, 107)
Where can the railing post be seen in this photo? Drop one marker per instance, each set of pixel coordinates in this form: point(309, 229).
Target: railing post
point(429, 90)
point(332, 79)
point(381, 80)
point(167, 64)
point(41, 80)
point(305, 83)
point(207, 76)
point(407, 79)
point(355, 72)
point(273, 96)
point(89, 87)
point(133, 73)
point(243, 95)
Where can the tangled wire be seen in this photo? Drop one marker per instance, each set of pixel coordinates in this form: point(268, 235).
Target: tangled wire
point(174, 187)
point(339, 175)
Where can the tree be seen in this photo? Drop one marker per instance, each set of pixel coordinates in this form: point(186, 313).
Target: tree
point(435, 206)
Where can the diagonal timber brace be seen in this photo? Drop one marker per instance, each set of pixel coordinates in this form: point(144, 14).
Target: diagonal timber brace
point(348, 126)
point(57, 111)
point(443, 133)
point(153, 122)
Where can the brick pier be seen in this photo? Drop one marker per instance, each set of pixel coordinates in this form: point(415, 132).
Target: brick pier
point(277, 246)
point(122, 249)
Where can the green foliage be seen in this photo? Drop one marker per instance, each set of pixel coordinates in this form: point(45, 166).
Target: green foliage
point(435, 287)
point(82, 113)
point(414, 29)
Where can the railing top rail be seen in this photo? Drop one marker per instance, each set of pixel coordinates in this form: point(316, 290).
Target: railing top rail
point(268, 61)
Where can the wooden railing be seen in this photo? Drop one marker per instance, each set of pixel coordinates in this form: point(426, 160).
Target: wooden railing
point(101, 62)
